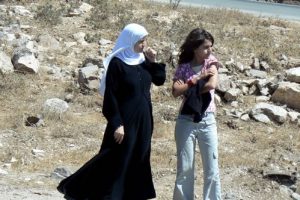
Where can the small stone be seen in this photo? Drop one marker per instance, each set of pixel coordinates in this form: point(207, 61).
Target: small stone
point(61, 173)
point(38, 152)
point(296, 196)
point(245, 117)
point(3, 172)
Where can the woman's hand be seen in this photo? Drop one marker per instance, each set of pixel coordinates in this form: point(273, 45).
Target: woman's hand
point(179, 87)
point(119, 134)
point(207, 73)
point(203, 75)
point(150, 54)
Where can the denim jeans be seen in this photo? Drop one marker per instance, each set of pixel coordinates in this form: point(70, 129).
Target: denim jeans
point(187, 133)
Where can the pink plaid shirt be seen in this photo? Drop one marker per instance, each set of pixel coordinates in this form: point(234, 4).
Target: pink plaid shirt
point(185, 72)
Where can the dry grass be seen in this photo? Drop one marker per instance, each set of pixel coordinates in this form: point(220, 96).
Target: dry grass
point(260, 145)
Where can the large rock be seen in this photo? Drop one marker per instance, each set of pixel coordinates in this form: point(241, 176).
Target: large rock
point(5, 63)
point(294, 62)
point(88, 77)
point(255, 63)
point(3, 8)
point(287, 93)
point(80, 38)
point(264, 66)
point(293, 74)
point(22, 11)
point(48, 42)
point(232, 94)
point(24, 61)
point(54, 108)
point(84, 8)
point(256, 73)
point(223, 83)
point(276, 113)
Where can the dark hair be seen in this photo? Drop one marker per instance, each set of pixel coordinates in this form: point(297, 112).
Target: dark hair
point(194, 39)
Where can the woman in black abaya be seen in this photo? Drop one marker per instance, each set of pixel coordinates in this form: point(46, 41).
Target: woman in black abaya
point(122, 170)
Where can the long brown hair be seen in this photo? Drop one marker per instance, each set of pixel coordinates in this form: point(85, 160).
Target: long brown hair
point(194, 39)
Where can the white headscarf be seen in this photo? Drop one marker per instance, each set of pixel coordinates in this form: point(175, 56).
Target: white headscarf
point(124, 49)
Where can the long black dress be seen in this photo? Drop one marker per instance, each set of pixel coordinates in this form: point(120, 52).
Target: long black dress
point(121, 171)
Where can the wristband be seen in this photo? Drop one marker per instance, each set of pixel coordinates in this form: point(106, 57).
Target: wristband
point(190, 83)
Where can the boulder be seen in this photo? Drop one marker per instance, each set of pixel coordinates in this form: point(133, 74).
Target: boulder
point(293, 74)
point(24, 60)
point(223, 83)
point(275, 113)
point(287, 93)
point(5, 63)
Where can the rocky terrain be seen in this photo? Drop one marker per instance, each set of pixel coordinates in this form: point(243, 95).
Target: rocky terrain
point(292, 2)
point(295, 2)
point(50, 110)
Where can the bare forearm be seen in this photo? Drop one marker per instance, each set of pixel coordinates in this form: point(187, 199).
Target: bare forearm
point(206, 88)
point(211, 84)
point(179, 90)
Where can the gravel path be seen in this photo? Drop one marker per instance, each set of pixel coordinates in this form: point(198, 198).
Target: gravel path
point(16, 193)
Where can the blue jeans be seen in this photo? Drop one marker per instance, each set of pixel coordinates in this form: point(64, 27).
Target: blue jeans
point(186, 134)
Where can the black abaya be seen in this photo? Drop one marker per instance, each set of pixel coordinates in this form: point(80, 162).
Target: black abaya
point(121, 171)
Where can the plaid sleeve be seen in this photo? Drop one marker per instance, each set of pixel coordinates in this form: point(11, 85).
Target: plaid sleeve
point(178, 73)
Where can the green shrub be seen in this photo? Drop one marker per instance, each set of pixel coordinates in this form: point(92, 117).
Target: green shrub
point(110, 14)
point(47, 14)
point(174, 4)
point(7, 19)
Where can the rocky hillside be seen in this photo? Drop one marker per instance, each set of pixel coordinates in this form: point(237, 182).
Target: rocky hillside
point(51, 122)
point(292, 2)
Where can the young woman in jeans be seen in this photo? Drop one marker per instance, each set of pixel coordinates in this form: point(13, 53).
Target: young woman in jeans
point(196, 64)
